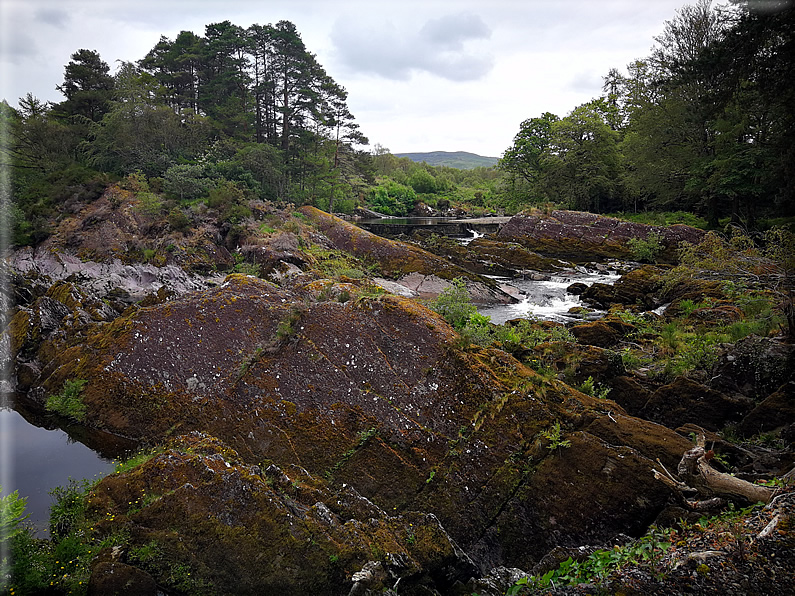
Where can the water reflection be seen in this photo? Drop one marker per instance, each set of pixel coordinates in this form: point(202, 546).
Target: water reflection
point(38, 456)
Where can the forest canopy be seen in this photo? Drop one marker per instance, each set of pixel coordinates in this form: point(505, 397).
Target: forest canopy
point(703, 124)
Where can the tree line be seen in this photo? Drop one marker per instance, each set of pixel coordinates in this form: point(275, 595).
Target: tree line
point(705, 124)
point(250, 106)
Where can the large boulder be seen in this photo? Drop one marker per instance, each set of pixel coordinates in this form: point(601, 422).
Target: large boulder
point(374, 393)
point(586, 236)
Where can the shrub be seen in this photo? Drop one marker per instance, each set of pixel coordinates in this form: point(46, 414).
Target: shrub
point(178, 220)
point(454, 304)
point(149, 204)
point(392, 198)
point(646, 249)
point(69, 402)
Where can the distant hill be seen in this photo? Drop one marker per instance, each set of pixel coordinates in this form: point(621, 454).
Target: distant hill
point(452, 159)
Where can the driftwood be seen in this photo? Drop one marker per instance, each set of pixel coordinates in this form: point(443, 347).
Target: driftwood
point(702, 487)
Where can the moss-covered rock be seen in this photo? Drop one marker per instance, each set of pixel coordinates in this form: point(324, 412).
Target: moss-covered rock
point(639, 287)
point(399, 260)
point(489, 256)
point(586, 236)
point(373, 393)
point(201, 521)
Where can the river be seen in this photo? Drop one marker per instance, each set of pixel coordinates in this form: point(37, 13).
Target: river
point(547, 299)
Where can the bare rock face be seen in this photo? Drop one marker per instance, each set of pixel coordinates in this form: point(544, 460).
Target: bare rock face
point(103, 279)
point(586, 236)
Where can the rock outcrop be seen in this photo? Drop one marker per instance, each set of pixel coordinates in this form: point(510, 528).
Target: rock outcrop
point(577, 235)
point(405, 263)
point(373, 393)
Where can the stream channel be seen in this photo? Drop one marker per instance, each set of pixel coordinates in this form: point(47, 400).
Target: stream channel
point(40, 451)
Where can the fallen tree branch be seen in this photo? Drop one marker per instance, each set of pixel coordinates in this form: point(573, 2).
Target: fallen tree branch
point(695, 475)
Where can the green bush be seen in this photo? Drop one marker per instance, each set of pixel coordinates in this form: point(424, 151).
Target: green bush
point(69, 402)
point(177, 220)
point(646, 250)
point(391, 198)
point(454, 304)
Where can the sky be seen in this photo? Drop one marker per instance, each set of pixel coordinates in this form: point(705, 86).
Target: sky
point(428, 75)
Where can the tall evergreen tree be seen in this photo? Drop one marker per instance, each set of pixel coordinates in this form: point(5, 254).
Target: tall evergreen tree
point(87, 86)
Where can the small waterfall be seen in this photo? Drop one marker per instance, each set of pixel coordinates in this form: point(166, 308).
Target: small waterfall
point(475, 236)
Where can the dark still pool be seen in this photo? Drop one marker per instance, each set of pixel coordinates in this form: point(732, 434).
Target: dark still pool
point(37, 456)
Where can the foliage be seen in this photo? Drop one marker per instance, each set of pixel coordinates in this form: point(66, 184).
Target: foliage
point(554, 436)
point(391, 198)
point(742, 264)
point(590, 387)
point(645, 551)
point(12, 513)
point(646, 250)
point(454, 304)
point(663, 218)
point(69, 402)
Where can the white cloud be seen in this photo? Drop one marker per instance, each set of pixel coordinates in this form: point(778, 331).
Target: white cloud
point(421, 75)
point(440, 47)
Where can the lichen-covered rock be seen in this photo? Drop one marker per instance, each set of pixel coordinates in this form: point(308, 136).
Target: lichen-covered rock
point(399, 260)
point(274, 250)
point(587, 236)
point(374, 393)
point(104, 279)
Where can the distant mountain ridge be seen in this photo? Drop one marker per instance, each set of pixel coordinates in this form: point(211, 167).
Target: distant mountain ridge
point(452, 159)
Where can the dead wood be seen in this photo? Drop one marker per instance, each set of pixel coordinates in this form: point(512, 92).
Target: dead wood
point(696, 477)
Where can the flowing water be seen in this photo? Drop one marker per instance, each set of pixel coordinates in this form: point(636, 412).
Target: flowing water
point(547, 299)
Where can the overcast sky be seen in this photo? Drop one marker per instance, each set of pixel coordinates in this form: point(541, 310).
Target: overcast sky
point(427, 75)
